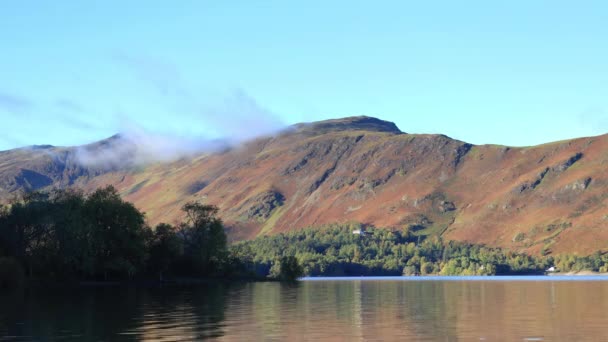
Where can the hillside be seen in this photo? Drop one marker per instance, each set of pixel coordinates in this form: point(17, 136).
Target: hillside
point(358, 169)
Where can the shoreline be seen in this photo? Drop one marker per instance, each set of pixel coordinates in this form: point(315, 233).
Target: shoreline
point(538, 277)
point(37, 284)
point(578, 274)
point(48, 284)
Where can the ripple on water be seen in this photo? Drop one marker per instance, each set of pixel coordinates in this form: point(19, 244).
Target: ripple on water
point(384, 309)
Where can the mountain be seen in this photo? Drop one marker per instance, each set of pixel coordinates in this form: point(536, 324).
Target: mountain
point(359, 169)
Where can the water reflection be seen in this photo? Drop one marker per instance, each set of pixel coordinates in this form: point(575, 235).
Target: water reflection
point(95, 314)
point(319, 310)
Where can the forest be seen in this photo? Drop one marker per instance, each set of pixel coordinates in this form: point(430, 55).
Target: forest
point(69, 236)
point(353, 250)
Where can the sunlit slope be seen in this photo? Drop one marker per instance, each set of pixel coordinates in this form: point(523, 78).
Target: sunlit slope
point(551, 197)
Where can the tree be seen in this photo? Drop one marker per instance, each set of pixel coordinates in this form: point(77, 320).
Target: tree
point(204, 238)
point(426, 268)
point(41, 230)
point(165, 248)
point(70, 253)
point(118, 233)
point(287, 269)
point(26, 228)
point(410, 271)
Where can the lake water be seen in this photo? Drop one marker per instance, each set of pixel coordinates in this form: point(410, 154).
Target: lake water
point(412, 309)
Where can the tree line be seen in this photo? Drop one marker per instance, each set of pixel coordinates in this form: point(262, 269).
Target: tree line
point(334, 250)
point(65, 235)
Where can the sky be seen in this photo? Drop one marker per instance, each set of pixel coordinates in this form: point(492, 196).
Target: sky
point(502, 72)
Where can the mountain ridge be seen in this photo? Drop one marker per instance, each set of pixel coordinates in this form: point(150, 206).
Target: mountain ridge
point(551, 197)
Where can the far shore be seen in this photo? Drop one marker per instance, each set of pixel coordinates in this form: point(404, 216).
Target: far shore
point(579, 273)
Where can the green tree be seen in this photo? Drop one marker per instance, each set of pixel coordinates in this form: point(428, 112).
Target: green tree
point(26, 229)
point(118, 233)
point(287, 269)
point(426, 268)
point(165, 249)
point(410, 270)
point(204, 238)
point(70, 245)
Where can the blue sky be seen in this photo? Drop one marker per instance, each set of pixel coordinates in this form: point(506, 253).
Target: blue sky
point(504, 72)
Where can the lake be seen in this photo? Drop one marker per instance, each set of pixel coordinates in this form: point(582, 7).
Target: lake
point(353, 309)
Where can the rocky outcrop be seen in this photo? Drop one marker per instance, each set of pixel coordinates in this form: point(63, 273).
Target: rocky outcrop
point(563, 166)
point(460, 152)
point(445, 206)
point(32, 180)
point(196, 187)
point(532, 184)
point(261, 206)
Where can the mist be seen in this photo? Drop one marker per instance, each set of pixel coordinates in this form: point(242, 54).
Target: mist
point(153, 113)
point(215, 125)
point(186, 122)
point(137, 147)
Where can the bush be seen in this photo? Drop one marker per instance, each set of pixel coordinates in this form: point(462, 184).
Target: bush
point(11, 273)
point(286, 269)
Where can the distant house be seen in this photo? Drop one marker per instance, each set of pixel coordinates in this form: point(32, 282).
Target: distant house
point(551, 269)
point(359, 232)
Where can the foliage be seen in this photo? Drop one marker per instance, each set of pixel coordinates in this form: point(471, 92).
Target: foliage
point(203, 238)
point(66, 235)
point(117, 232)
point(165, 248)
point(286, 269)
point(334, 250)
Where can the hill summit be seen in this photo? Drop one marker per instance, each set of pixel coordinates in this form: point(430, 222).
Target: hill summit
point(354, 123)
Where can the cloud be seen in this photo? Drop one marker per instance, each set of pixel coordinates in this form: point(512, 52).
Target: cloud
point(235, 115)
point(137, 147)
point(194, 123)
point(229, 121)
point(186, 121)
point(239, 117)
point(14, 104)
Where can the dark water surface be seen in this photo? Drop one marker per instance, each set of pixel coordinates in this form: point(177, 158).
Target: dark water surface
point(412, 309)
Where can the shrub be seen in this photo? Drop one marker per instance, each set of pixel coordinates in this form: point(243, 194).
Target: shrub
point(287, 269)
